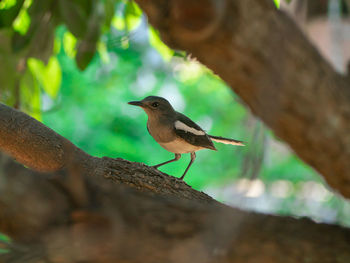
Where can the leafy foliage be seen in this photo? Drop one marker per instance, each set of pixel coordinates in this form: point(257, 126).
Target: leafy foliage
point(163, 49)
point(27, 44)
point(27, 31)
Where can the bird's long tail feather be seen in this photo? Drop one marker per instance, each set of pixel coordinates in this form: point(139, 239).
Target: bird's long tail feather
point(226, 140)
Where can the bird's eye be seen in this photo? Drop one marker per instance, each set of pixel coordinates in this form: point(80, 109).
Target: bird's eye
point(155, 104)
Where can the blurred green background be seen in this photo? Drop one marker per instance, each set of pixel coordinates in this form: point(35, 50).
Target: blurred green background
point(89, 107)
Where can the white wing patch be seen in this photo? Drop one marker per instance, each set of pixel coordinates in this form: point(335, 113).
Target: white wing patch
point(182, 126)
point(227, 141)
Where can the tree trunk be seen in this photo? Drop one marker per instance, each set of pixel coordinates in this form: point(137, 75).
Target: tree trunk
point(271, 65)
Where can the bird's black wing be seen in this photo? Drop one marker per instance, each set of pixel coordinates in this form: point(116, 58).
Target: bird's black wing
point(188, 130)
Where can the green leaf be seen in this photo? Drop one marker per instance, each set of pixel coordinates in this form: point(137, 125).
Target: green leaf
point(85, 53)
point(74, 17)
point(119, 23)
point(35, 101)
point(69, 44)
point(181, 54)
point(125, 43)
point(132, 15)
point(277, 3)
point(22, 19)
point(86, 6)
point(9, 62)
point(21, 24)
point(7, 4)
point(109, 12)
point(43, 43)
point(19, 42)
point(30, 95)
point(87, 46)
point(57, 46)
point(9, 14)
point(39, 35)
point(132, 8)
point(163, 49)
point(49, 76)
point(103, 52)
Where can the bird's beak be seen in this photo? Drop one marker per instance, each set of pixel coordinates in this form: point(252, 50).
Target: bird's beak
point(136, 103)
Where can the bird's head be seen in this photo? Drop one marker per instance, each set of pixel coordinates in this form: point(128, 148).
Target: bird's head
point(154, 106)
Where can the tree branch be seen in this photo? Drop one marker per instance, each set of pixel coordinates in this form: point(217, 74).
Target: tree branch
point(33, 144)
point(270, 64)
point(119, 224)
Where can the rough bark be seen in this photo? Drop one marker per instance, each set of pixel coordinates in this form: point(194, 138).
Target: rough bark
point(27, 139)
point(119, 224)
point(271, 65)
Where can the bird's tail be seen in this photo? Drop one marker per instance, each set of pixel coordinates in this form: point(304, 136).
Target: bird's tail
point(226, 140)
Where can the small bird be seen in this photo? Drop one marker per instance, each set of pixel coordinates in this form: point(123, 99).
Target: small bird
point(175, 132)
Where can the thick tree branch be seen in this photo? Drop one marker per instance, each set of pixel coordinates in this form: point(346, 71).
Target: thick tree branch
point(119, 224)
point(33, 144)
point(271, 65)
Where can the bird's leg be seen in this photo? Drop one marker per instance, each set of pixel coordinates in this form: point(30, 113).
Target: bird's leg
point(177, 157)
point(193, 157)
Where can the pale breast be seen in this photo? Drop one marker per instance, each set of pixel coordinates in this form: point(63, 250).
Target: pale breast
point(180, 146)
point(161, 133)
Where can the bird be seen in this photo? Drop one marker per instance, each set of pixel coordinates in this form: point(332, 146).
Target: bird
point(175, 132)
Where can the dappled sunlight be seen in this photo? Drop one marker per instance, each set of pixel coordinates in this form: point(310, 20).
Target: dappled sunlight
point(250, 188)
point(171, 91)
point(308, 198)
point(314, 191)
point(145, 82)
point(206, 122)
point(188, 70)
point(281, 189)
